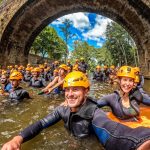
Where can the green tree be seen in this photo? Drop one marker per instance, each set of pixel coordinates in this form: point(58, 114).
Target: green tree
point(48, 44)
point(65, 29)
point(120, 44)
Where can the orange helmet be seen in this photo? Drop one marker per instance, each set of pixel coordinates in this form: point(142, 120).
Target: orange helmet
point(98, 67)
point(63, 66)
point(16, 75)
point(76, 78)
point(126, 71)
point(112, 67)
point(37, 69)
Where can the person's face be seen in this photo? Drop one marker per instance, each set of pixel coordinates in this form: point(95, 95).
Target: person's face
point(14, 83)
point(126, 84)
point(61, 71)
point(35, 74)
point(3, 79)
point(55, 74)
point(27, 72)
point(98, 69)
point(75, 96)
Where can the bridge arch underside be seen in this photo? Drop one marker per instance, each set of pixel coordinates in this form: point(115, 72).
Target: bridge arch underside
point(33, 16)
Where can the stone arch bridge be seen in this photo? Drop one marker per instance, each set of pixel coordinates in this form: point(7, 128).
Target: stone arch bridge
point(22, 20)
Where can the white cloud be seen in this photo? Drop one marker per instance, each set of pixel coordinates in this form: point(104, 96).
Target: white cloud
point(99, 28)
point(80, 20)
point(99, 44)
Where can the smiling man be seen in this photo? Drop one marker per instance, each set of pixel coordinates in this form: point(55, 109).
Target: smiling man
point(82, 118)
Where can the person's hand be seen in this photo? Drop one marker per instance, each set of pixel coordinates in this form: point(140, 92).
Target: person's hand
point(14, 144)
point(145, 146)
point(44, 90)
point(50, 90)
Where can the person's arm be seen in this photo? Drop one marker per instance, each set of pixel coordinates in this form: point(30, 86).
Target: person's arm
point(51, 84)
point(146, 99)
point(113, 135)
point(104, 101)
point(55, 86)
point(34, 129)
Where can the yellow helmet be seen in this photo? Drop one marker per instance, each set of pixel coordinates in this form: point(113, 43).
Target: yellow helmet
point(16, 66)
point(28, 69)
point(28, 65)
point(75, 68)
point(137, 69)
point(68, 60)
point(16, 75)
point(37, 69)
point(56, 70)
point(4, 72)
point(98, 67)
point(126, 71)
point(63, 66)
point(112, 67)
point(76, 78)
point(20, 68)
point(137, 80)
point(41, 66)
point(105, 67)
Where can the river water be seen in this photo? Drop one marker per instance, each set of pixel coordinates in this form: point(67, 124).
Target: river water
point(14, 118)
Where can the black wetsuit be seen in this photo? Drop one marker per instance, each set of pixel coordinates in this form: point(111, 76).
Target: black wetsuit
point(83, 67)
point(114, 101)
point(38, 83)
point(99, 76)
point(18, 94)
point(27, 77)
point(91, 120)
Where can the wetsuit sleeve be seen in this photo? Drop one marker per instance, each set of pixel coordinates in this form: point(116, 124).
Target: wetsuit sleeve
point(145, 97)
point(34, 129)
point(114, 136)
point(104, 101)
point(26, 95)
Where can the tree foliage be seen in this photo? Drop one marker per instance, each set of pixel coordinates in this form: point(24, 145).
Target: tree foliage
point(93, 56)
point(120, 45)
point(48, 44)
point(66, 30)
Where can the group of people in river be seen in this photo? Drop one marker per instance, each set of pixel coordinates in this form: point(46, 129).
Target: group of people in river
point(81, 114)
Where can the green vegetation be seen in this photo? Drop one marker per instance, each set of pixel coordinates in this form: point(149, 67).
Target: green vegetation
point(49, 44)
point(65, 29)
point(120, 45)
point(118, 49)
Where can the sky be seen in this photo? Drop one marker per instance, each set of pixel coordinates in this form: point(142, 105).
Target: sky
point(87, 27)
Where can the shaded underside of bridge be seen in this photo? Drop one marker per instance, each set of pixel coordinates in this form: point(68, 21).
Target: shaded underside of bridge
point(22, 20)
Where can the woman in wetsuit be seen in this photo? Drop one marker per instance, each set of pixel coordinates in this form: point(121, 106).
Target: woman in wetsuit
point(37, 81)
point(125, 101)
point(56, 84)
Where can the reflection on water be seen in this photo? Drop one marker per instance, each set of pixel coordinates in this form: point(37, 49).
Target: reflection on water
point(15, 117)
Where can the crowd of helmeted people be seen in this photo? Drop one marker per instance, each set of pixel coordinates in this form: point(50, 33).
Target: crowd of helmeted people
point(58, 78)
